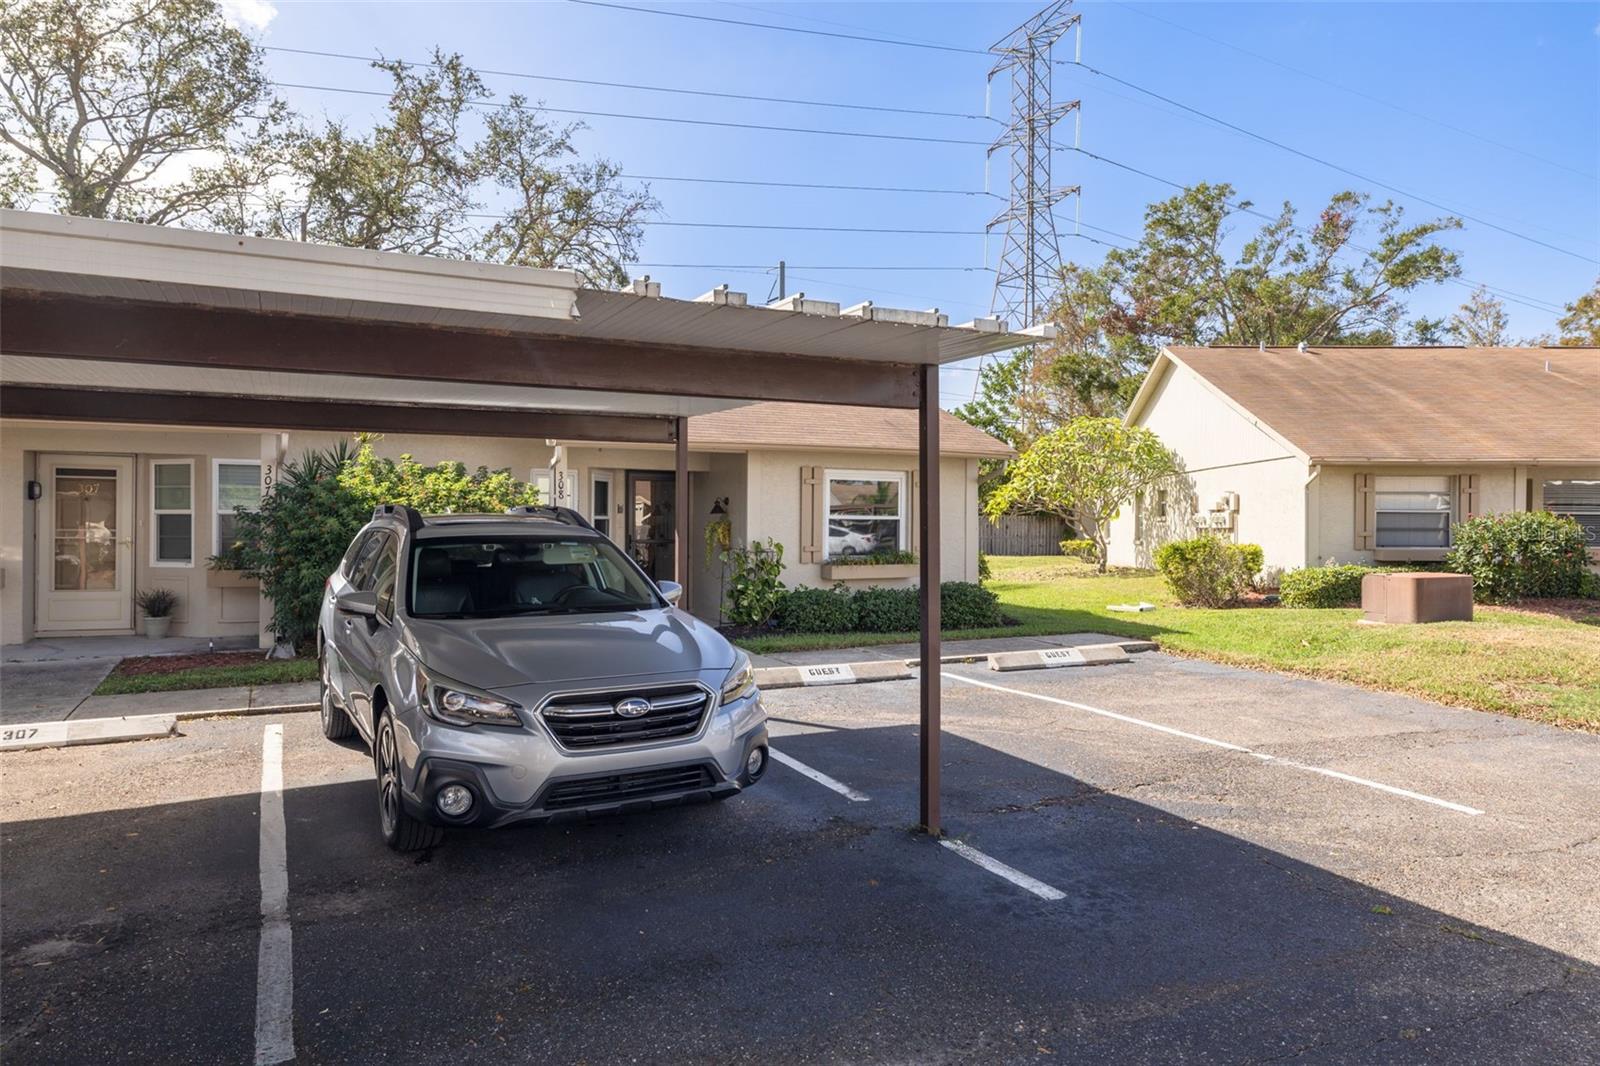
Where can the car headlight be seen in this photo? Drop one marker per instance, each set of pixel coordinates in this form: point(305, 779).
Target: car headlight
point(450, 701)
point(741, 680)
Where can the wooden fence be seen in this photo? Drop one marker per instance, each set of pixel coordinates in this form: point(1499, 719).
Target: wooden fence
point(1022, 534)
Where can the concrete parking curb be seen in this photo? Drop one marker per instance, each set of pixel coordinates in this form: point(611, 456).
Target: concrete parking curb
point(1049, 658)
point(33, 735)
point(776, 677)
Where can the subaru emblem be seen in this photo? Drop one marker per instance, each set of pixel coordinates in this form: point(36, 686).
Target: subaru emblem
point(632, 707)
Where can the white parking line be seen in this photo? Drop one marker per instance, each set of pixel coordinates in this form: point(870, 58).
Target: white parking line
point(819, 777)
point(274, 959)
point(1460, 808)
point(995, 866)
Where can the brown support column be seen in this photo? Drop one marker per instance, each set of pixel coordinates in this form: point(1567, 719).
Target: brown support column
point(680, 512)
point(928, 520)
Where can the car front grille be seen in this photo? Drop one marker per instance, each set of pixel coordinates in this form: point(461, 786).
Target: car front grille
point(620, 788)
point(586, 721)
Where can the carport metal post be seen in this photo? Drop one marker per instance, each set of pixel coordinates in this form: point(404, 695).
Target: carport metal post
point(680, 509)
point(928, 528)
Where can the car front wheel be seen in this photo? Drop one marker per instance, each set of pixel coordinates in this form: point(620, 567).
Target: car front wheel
point(401, 831)
point(336, 725)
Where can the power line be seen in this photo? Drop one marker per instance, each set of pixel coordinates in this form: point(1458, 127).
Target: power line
point(1197, 112)
point(1261, 58)
point(647, 88)
point(801, 266)
point(1525, 300)
point(663, 118)
point(1264, 139)
point(786, 29)
point(817, 185)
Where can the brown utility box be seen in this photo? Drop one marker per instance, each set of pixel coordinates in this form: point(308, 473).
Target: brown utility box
point(1405, 598)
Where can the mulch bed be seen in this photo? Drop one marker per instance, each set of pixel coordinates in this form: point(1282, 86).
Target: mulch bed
point(172, 664)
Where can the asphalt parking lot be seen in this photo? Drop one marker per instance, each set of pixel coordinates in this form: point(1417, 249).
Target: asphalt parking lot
point(1157, 861)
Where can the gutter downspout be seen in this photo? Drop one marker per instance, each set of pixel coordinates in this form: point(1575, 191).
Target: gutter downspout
point(1313, 514)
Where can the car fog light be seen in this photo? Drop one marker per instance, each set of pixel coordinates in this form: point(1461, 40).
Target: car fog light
point(755, 762)
point(454, 800)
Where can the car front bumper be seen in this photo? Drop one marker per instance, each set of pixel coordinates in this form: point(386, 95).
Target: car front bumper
point(524, 776)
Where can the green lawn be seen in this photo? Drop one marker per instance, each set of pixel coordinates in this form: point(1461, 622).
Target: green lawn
point(274, 672)
point(1513, 662)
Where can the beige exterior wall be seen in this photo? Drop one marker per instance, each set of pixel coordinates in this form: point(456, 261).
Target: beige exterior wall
point(209, 604)
point(1222, 451)
point(774, 508)
point(1500, 488)
point(762, 488)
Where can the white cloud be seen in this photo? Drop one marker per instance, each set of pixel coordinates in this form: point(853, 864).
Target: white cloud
point(249, 14)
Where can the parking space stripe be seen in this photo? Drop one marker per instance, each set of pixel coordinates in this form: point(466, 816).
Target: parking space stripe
point(274, 958)
point(819, 777)
point(1459, 808)
point(1000, 869)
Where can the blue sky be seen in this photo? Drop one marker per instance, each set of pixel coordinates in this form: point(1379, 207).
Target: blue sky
point(1520, 81)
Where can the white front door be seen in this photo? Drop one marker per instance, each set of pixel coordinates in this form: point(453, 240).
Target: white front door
point(85, 544)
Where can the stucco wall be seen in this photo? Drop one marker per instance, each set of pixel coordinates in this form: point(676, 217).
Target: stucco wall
point(1221, 451)
point(1500, 488)
point(763, 491)
point(204, 608)
point(774, 508)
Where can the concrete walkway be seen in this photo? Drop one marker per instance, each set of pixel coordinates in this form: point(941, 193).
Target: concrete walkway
point(950, 648)
point(53, 649)
point(200, 702)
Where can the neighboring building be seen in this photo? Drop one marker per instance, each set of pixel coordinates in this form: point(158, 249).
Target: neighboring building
point(1363, 454)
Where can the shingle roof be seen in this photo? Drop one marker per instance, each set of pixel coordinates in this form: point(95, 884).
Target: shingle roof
point(804, 425)
point(1415, 404)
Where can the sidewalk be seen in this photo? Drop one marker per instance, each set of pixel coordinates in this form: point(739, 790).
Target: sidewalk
point(949, 649)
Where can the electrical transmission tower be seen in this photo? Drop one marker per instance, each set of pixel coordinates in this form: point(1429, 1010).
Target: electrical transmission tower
point(1030, 254)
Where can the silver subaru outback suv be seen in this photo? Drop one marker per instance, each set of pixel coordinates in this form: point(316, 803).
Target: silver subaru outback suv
point(518, 667)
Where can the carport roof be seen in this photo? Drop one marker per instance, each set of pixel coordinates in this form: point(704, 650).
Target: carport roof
point(57, 254)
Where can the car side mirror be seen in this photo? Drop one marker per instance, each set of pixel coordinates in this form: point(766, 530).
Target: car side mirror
point(671, 591)
point(354, 601)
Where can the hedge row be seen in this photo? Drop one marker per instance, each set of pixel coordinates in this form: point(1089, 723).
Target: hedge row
point(1323, 586)
point(964, 605)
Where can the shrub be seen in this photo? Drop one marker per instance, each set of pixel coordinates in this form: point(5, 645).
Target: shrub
point(157, 603)
point(811, 610)
point(984, 571)
point(881, 610)
point(754, 582)
point(1519, 554)
point(964, 605)
point(1323, 586)
point(322, 500)
point(1207, 571)
point(1079, 549)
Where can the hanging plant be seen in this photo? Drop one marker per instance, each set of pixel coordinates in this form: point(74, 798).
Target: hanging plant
point(719, 538)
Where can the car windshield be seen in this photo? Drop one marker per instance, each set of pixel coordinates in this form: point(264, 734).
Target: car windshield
point(468, 577)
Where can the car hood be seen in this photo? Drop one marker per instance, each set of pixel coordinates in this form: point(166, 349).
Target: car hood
point(498, 653)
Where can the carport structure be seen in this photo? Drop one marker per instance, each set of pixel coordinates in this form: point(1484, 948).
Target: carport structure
point(114, 323)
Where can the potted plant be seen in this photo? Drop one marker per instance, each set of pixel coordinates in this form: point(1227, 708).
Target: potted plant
point(158, 606)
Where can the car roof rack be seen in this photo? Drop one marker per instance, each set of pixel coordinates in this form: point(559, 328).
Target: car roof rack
point(409, 515)
point(564, 515)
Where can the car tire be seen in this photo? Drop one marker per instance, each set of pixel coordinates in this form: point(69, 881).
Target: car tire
point(401, 831)
point(336, 724)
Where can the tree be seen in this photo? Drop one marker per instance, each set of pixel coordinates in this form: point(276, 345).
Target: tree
point(1085, 472)
point(420, 182)
point(1181, 284)
point(1580, 326)
point(1480, 322)
point(154, 111)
